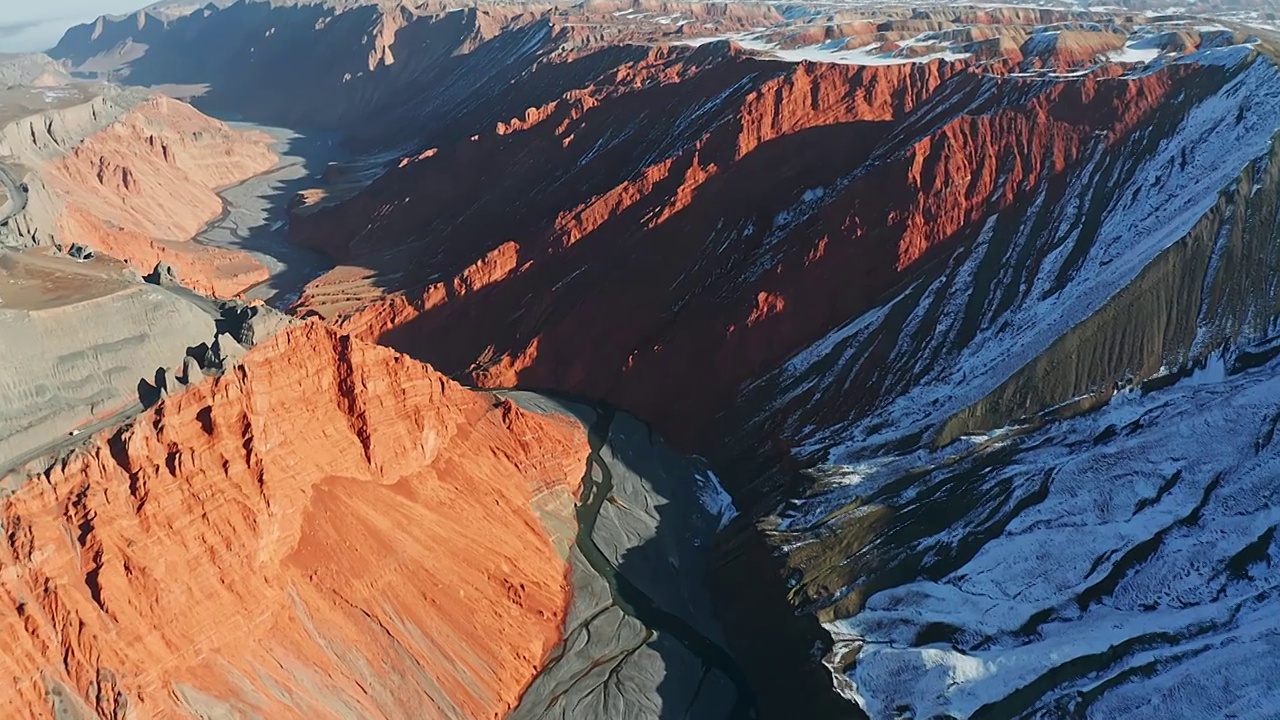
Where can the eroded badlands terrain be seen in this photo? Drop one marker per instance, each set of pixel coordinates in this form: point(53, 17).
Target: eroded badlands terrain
point(640, 360)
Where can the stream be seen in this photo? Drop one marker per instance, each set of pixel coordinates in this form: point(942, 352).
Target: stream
point(254, 217)
point(631, 599)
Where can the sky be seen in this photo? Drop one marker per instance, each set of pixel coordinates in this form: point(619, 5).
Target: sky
point(27, 25)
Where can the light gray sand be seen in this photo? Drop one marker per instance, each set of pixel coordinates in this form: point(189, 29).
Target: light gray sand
point(255, 220)
point(78, 338)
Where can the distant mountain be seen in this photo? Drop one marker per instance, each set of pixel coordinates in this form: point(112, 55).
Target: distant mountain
point(32, 69)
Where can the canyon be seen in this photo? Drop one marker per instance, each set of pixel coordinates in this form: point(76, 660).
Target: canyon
point(640, 359)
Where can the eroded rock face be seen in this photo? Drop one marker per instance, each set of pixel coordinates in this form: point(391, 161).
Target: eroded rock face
point(131, 175)
point(1063, 434)
point(361, 66)
point(142, 187)
point(781, 200)
point(371, 561)
point(34, 69)
point(1141, 261)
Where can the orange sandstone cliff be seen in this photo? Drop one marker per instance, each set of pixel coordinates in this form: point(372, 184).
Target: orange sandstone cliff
point(331, 529)
point(143, 186)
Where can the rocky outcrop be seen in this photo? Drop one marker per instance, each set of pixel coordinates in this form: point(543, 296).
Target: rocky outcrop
point(164, 275)
point(258, 323)
point(135, 177)
point(88, 346)
point(219, 561)
point(224, 352)
point(142, 187)
point(728, 239)
point(31, 69)
point(1066, 47)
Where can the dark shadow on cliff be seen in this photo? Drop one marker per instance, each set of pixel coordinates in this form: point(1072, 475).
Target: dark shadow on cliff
point(641, 641)
point(608, 333)
point(663, 578)
point(307, 67)
point(779, 648)
point(246, 56)
point(645, 529)
point(719, 593)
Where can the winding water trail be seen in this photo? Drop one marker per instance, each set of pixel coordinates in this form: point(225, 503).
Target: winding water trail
point(254, 217)
point(631, 599)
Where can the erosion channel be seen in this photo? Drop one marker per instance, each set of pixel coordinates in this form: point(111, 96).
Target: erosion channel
point(254, 215)
point(641, 639)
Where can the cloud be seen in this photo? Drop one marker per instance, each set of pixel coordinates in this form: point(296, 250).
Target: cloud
point(14, 29)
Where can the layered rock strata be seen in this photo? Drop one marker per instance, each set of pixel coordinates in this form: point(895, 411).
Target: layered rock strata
point(135, 177)
point(212, 560)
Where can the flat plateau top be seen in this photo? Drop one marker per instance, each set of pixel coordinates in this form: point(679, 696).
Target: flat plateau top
point(36, 280)
point(20, 101)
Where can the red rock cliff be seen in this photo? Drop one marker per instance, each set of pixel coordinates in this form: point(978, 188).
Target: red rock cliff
point(330, 530)
point(141, 188)
point(696, 216)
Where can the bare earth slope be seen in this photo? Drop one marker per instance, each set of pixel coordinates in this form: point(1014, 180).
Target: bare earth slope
point(133, 176)
point(94, 169)
point(211, 560)
point(77, 341)
point(141, 188)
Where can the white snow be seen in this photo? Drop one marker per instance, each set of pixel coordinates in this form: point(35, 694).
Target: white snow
point(698, 41)
point(1177, 495)
point(825, 53)
point(715, 499)
point(1132, 54)
point(869, 55)
point(1155, 209)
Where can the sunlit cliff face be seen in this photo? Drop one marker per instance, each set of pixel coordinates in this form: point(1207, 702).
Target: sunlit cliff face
point(397, 463)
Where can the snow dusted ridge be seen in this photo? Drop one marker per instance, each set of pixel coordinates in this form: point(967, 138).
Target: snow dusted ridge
point(1059, 49)
point(838, 53)
point(987, 313)
point(714, 498)
point(1118, 564)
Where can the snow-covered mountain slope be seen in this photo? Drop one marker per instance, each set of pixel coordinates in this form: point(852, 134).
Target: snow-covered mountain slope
point(1046, 463)
point(1141, 260)
point(1116, 564)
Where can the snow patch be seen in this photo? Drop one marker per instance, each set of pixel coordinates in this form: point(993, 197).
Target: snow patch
point(715, 499)
point(1132, 54)
point(1134, 555)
